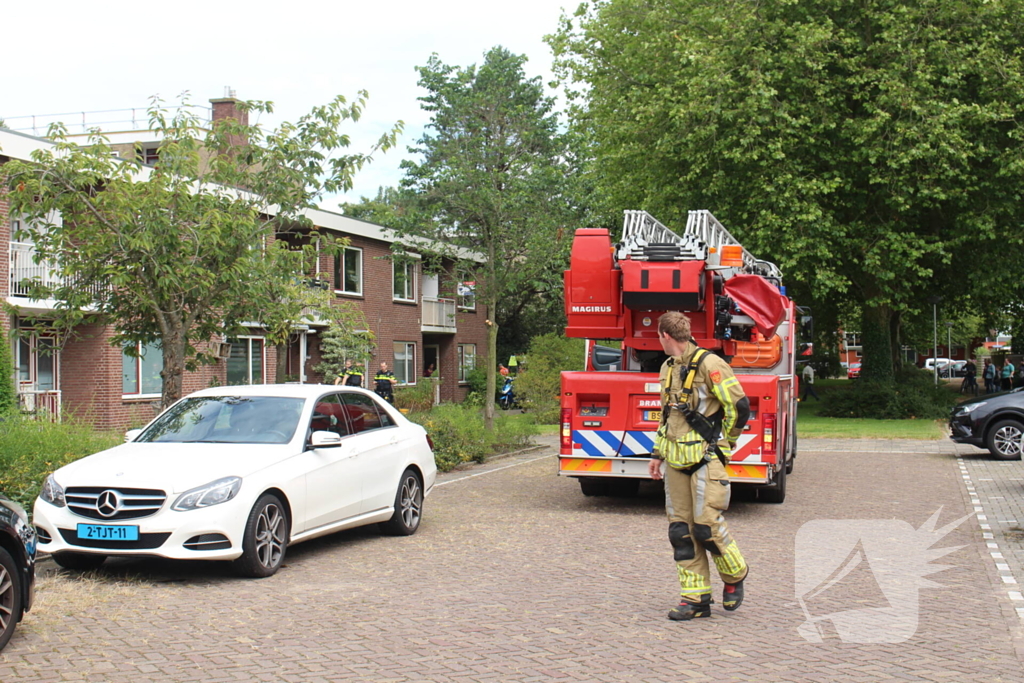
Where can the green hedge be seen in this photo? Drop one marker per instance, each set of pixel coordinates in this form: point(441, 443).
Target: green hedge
point(32, 449)
point(913, 395)
point(459, 436)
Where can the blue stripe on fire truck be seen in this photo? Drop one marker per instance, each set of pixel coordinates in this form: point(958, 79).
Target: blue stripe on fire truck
point(597, 442)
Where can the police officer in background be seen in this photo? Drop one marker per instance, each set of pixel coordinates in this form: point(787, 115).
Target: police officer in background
point(384, 383)
point(696, 481)
point(352, 376)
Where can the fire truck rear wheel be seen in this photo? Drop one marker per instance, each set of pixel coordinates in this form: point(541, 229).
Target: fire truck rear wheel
point(624, 488)
point(776, 491)
point(792, 455)
point(593, 486)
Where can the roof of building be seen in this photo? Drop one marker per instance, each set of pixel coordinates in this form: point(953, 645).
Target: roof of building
point(16, 145)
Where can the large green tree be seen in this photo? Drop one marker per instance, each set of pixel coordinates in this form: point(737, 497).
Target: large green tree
point(490, 180)
point(872, 149)
point(185, 252)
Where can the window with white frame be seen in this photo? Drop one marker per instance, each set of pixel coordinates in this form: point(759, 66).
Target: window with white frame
point(467, 361)
point(246, 361)
point(404, 280)
point(466, 295)
point(852, 340)
point(348, 271)
point(140, 373)
point(405, 362)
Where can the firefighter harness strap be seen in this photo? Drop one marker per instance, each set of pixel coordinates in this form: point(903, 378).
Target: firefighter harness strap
point(698, 423)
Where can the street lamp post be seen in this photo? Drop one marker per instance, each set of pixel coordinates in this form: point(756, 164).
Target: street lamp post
point(935, 301)
point(949, 347)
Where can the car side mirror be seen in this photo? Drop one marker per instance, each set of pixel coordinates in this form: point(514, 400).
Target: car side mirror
point(324, 439)
point(131, 435)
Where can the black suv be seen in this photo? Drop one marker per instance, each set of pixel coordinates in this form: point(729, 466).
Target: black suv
point(995, 422)
point(17, 566)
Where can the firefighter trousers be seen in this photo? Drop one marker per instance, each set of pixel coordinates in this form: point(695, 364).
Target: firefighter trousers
point(695, 503)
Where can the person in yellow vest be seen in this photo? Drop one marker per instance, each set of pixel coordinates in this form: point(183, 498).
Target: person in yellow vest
point(352, 376)
point(513, 364)
point(704, 410)
point(384, 382)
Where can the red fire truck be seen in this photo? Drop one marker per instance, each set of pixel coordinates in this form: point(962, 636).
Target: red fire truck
point(737, 307)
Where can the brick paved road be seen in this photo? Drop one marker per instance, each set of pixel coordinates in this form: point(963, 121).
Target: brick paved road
point(515, 576)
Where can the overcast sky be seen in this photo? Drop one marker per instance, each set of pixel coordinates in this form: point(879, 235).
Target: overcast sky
point(73, 56)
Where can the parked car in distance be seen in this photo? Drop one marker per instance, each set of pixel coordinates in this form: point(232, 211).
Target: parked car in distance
point(931, 363)
point(241, 473)
point(17, 567)
point(995, 422)
point(957, 368)
point(853, 371)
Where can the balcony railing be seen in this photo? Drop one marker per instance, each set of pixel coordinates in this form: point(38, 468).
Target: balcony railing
point(24, 269)
point(439, 314)
point(25, 272)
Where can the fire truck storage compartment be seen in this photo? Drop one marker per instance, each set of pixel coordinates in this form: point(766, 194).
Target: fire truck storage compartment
point(592, 287)
point(663, 285)
point(592, 405)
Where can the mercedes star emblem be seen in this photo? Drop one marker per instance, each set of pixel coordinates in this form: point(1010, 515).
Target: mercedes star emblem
point(108, 503)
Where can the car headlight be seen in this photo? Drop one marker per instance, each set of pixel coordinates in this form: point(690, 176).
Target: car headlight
point(53, 493)
point(969, 408)
point(214, 493)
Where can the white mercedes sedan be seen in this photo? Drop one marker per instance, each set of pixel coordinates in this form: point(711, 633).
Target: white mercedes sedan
point(240, 473)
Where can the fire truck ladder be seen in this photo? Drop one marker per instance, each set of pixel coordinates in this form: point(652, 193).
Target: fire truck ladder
point(705, 227)
point(644, 238)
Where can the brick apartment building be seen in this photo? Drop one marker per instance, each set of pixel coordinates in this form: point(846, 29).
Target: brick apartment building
point(417, 319)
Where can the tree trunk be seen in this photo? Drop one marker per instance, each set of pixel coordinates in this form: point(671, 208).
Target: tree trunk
point(492, 365)
point(282, 363)
point(173, 345)
point(876, 344)
point(896, 340)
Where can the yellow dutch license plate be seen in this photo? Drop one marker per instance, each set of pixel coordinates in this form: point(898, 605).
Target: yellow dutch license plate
point(652, 415)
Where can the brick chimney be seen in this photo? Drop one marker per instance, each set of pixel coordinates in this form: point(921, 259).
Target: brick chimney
point(227, 108)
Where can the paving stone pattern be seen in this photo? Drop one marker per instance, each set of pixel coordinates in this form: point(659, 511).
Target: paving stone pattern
point(516, 576)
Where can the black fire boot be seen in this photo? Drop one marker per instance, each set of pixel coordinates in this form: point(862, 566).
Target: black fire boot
point(686, 610)
point(732, 596)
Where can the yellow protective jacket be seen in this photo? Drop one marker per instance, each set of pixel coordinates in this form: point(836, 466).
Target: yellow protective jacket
point(715, 390)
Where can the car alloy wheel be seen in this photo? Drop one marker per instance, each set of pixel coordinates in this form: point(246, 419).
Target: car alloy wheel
point(408, 506)
point(10, 596)
point(1004, 440)
point(266, 538)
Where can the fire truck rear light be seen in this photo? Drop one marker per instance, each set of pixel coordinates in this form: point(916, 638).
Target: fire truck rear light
point(768, 435)
point(566, 428)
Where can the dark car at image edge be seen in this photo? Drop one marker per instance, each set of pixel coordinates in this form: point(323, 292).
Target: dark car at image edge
point(17, 566)
point(995, 422)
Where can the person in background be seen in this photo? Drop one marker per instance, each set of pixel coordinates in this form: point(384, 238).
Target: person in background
point(429, 372)
point(1006, 377)
point(970, 383)
point(808, 375)
point(352, 376)
point(988, 374)
point(513, 364)
point(384, 383)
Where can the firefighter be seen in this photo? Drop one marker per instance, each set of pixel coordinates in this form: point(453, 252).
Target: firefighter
point(696, 480)
point(384, 383)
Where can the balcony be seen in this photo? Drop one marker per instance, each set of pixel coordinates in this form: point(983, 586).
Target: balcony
point(25, 270)
point(438, 315)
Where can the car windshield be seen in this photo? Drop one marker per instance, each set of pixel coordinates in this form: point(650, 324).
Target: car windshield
point(226, 419)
